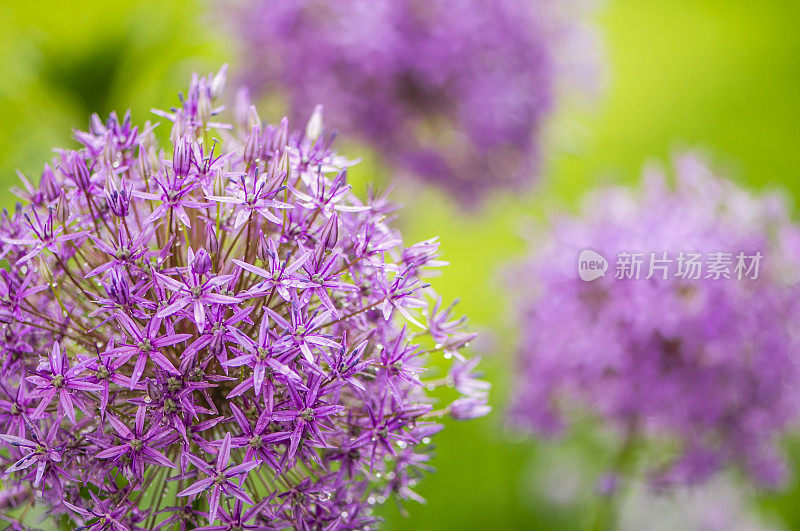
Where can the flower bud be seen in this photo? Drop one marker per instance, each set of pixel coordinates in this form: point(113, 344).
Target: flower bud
point(330, 233)
point(201, 264)
point(241, 108)
point(314, 125)
point(75, 168)
point(218, 82)
point(250, 152)
point(62, 208)
point(212, 242)
point(180, 130)
point(327, 238)
point(118, 287)
point(204, 107)
point(253, 120)
point(282, 136)
point(182, 157)
point(147, 140)
point(143, 163)
point(49, 185)
point(109, 154)
point(265, 253)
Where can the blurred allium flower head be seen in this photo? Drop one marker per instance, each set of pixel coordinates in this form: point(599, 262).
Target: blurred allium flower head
point(217, 332)
point(718, 505)
point(705, 367)
point(453, 92)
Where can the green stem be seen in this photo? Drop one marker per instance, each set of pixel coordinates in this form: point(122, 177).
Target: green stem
point(605, 517)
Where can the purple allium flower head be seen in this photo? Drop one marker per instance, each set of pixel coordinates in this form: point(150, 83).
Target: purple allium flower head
point(708, 364)
point(453, 92)
point(216, 332)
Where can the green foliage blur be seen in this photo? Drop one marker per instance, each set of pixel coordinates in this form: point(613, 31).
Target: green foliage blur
point(718, 75)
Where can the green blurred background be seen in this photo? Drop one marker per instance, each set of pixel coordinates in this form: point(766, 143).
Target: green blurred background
point(718, 75)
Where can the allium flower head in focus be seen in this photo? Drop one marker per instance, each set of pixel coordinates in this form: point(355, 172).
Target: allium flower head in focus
point(216, 331)
point(701, 365)
point(453, 92)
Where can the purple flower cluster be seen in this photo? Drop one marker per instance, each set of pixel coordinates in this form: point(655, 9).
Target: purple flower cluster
point(217, 333)
point(453, 92)
point(704, 369)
